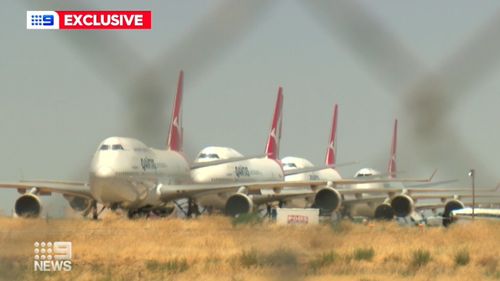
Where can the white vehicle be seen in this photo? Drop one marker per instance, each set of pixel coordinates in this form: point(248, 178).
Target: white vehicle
point(479, 213)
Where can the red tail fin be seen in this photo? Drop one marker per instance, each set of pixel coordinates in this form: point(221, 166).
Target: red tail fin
point(272, 147)
point(331, 152)
point(391, 169)
point(174, 141)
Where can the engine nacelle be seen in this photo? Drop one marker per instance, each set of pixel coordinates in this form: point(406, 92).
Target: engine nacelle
point(28, 206)
point(79, 204)
point(402, 205)
point(238, 204)
point(384, 211)
point(450, 206)
point(328, 199)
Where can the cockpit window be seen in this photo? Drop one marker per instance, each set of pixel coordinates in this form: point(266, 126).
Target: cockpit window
point(104, 147)
point(290, 165)
point(117, 147)
point(208, 155)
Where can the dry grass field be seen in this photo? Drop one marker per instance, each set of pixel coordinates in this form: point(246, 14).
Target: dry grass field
point(214, 248)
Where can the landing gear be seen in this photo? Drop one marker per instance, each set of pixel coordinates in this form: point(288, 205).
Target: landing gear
point(192, 208)
point(95, 212)
point(281, 204)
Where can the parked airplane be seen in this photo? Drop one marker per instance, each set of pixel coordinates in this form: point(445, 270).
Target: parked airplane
point(269, 168)
point(372, 199)
point(403, 202)
point(302, 169)
point(125, 173)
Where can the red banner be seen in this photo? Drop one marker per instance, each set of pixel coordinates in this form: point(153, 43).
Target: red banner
point(100, 20)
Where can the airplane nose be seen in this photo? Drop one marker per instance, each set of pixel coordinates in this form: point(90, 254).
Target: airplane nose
point(104, 172)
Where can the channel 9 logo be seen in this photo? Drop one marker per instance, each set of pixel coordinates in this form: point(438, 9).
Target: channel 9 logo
point(52, 256)
point(89, 20)
point(42, 20)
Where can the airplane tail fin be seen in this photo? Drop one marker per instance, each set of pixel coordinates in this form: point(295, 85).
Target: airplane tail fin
point(273, 141)
point(391, 168)
point(331, 152)
point(174, 141)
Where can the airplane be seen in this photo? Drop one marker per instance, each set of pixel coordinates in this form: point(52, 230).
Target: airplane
point(267, 168)
point(372, 199)
point(402, 201)
point(297, 168)
point(302, 169)
point(270, 168)
point(125, 173)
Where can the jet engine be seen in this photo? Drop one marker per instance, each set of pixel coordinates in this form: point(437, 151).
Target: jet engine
point(402, 205)
point(28, 206)
point(384, 211)
point(237, 204)
point(450, 206)
point(327, 199)
point(78, 204)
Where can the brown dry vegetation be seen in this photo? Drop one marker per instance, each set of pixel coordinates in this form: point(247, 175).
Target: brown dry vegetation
point(212, 248)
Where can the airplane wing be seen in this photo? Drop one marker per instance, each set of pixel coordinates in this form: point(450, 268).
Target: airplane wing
point(303, 170)
point(437, 205)
point(172, 192)
point(197, 165)
point(47, 187)
point(458, 196)
point(382, 180)
point(390, 191)
point(262, 199)
point(431, 184)
point(315, 168)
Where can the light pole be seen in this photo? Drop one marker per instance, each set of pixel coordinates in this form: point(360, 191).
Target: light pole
point(472, 175)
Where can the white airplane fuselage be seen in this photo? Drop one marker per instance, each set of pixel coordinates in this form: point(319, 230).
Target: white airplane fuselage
point(127, 173)
point(251, 170)
point(290, 163)
point(329, 174)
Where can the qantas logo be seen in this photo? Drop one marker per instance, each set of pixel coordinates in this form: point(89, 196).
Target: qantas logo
point(175, 123)
point(241, 171)
point(148, 164)
point(331, 146)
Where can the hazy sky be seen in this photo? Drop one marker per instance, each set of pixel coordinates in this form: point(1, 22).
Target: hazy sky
point(62, 92)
